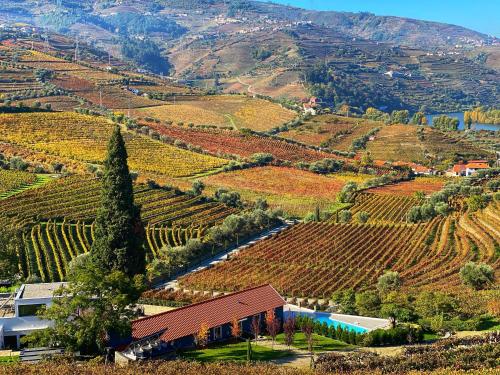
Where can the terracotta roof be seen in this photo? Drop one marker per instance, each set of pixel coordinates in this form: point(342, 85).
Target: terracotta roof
point(377, 163)
point(477, 165)
point(187, 320)
point(459, 168)
point(421, 168)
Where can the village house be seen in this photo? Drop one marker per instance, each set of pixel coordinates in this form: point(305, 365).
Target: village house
point(311, 106)
point(468, 169)
point(173, 330)
point(417, 169)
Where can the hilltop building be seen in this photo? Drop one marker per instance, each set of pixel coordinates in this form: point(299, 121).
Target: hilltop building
point(160, 334)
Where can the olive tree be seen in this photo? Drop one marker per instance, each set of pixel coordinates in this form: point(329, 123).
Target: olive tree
point(389, 282)
point(477, 276)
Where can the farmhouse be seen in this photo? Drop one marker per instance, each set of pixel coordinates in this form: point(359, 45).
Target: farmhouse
point(311, 105)
point(476, 165)
point(159, 334)
point(468, 169)
point(23, 320)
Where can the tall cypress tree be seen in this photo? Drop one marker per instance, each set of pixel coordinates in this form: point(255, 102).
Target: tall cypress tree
point(119, 233)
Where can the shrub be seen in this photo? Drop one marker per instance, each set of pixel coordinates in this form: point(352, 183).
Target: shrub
point(262, 158)
point(362, 217)
point(230, 198)
point(345, 216)
point(347, 192)
point(18, 164)
point(442, 209)
point(414, 215)
point(477, 276)
point(477, 202)
point(368, 303)
point(389, 282)
point(393, 336)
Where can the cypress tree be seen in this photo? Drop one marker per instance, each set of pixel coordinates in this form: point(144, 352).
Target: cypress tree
point(119, 233)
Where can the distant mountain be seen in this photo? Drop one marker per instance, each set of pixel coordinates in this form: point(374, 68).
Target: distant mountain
point(396, 30)
point(277, 50)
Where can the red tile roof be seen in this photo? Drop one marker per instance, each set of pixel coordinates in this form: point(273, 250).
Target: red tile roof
point(421, 169)
point(187, 320)
point(477, 165)
point(459, 168)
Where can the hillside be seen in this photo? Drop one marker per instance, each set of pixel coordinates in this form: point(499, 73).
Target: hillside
point(274, 50)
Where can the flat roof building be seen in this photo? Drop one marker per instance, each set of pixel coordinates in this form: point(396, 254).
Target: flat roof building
point(28, 299)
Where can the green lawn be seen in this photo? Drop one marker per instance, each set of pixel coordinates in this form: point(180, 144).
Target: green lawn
point(9, 359)
point(431, 336)
point(320, 343)
point(234, 352)
point(491, 324)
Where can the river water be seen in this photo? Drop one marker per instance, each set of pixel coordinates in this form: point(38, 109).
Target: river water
point(460, 117)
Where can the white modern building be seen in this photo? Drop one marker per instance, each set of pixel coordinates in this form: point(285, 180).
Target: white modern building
point(23, 320)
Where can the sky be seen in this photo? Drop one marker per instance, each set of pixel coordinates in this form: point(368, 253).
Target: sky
point(479, 15)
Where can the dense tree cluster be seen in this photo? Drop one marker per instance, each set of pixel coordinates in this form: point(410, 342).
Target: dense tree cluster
point(336, 87)
point(145, 53)
point(482, 115)
point(129, 24)
point(438, 202)
point(445, 123)
point(419, 119)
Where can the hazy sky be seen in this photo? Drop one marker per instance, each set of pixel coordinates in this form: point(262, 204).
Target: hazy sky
point(480, 15)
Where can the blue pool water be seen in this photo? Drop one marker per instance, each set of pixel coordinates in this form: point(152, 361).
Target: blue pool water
point(325, 318)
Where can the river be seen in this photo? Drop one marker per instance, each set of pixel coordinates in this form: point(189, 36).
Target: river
point(460, 117)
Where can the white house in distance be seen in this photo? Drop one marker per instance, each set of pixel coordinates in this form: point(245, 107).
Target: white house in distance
point(468, 169)
point(23, 320)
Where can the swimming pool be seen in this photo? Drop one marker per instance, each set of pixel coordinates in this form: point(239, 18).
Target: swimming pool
point(326, 318)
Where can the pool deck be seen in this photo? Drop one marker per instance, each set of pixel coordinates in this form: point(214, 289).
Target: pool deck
point(360, 321)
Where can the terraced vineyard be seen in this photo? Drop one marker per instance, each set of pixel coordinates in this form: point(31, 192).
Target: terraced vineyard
point(110, 96)
point(41, 60)
point(402, 143)
point(76, 198)
point(56, 102)
point(317, 259)
point(12, 180)
point(15, 182)
point(57, 221)
point(13, 80)
point(295, 191)
point(84, 138)
point(426, 185)
point(91, 82)
point(329, 131)
point(237, 111)
point(50, 246)
point(384, 207)
point(232, 142)
point(459, 239)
